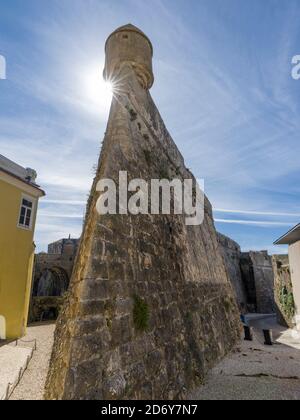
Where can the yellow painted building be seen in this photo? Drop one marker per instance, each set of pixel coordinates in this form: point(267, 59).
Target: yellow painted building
point(19, 195)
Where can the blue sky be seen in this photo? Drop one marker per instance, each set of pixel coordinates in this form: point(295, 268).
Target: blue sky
point(222, 84)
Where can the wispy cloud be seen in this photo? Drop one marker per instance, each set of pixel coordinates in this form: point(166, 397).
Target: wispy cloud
point(60, 215)
point(69, 202)
point(258, 213)
point(255, 222)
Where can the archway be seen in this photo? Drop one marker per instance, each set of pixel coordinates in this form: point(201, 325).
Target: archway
point(49, 314)
point(52, 282)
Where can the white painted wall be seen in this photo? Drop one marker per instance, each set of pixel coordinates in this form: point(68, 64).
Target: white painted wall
point(2, 328)
point(294, 257)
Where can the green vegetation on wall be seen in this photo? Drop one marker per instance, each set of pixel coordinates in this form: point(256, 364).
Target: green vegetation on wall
point(140, 314)
point(286, 299)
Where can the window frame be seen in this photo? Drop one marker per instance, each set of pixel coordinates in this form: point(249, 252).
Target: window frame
point(32, 215)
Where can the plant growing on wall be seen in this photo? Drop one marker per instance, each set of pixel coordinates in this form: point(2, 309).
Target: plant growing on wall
point(147, 155)
point(140, 314)
point(287, 302)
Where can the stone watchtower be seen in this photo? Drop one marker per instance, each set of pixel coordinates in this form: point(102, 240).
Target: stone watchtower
point(129, 45)
point(150, 308)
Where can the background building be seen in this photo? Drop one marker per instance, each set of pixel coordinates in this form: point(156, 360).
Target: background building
point(63, 246)
point(19, 195)
point(252, 277)
point(52, 273)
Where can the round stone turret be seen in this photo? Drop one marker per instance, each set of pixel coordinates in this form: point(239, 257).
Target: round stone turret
point(129, 45)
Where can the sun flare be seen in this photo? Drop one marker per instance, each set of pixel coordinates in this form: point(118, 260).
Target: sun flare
point(95, 89)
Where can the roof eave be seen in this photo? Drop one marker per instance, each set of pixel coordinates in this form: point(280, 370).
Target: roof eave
point(283, 240)
point(35, 186)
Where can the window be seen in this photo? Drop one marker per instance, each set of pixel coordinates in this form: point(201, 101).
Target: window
point(26, 213)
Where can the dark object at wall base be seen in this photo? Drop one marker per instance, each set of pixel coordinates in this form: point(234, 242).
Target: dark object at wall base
point(268, 337)
point(248, 333)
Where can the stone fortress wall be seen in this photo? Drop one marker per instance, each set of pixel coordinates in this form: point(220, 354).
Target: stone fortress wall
point(231, 252)
point(242, 269)
point(261, 272)
point(251, 274)
point(150, 308)
point(153, 303)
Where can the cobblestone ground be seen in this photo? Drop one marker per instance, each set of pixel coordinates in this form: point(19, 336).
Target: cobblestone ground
point(254, 371)
point(31, 386)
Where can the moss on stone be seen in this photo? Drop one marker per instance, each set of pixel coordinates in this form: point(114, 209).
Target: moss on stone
point(148, 158)
point(227, 305)
point(164, 173)
point(140, 314)
point(133, 115)
point(287, 302)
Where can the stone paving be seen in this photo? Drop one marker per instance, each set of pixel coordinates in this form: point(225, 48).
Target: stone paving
point(13, 361)
point(31, 386)
point(254, 371)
